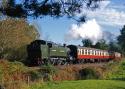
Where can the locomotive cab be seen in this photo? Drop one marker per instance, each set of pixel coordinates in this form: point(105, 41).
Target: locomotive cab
point(72, 53)
point(35, 53)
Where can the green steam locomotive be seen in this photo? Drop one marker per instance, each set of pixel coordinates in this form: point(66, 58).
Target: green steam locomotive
point(43, 52)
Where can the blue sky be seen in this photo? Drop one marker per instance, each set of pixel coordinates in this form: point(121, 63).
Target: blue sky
point(110, 17)
point(54, 29)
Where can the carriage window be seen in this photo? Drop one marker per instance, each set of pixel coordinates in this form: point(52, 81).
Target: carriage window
point(102, 53)
point(99, 53)
point(105, 53)
point(96, 52)
point(82, 51)
point(93, 52)
point(86, 52)
point(90, 52)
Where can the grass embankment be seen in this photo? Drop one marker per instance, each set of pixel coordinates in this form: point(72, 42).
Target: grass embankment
point(15, 74)
point(114, 72)
point(82, 84)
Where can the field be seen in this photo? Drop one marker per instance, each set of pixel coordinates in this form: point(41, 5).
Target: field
point(82, 84)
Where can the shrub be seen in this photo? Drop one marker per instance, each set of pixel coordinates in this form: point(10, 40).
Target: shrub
point(35, 75)
point(116, 72)
point(48, 71)
point(88, 73)
point(11, 74)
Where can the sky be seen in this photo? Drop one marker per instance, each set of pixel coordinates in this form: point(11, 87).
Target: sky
point(105, 21)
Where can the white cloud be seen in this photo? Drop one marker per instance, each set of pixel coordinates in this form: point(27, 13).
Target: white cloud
point(109, 17)
point(106, 14)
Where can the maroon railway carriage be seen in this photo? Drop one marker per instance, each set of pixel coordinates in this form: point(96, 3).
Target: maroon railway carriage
point(93, 54)
point(85, 54)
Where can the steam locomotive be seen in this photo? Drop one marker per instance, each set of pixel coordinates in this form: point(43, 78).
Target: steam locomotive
point(43, 52)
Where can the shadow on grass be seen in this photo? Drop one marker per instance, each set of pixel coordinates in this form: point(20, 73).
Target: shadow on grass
point(118, 79)
point(120, 88)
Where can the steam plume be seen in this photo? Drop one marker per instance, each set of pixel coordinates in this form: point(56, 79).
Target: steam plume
point(38, 28)
point(89, 30)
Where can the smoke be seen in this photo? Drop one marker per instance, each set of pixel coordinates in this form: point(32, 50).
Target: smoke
point(89, 30)
point(38, 27)
point(42, 35)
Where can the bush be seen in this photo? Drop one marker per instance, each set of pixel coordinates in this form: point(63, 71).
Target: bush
point(116, 72)
point(48, 71)
point(35, 75)
point(11, 74)
point(88, 73)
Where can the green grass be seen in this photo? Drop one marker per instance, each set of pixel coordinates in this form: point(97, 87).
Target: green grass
point(82, 84)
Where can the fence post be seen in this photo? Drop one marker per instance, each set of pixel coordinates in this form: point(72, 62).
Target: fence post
point(2, 81)
point(28, 80)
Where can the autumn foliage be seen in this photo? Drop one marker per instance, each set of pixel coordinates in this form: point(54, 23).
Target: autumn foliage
point(12, 74)
point(15, 36)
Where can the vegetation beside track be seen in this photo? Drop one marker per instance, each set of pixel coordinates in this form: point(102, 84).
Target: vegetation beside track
point(11, 74)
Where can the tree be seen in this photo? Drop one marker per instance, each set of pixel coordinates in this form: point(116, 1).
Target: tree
point(15, 36)
point(113, 46)
point(54, 8)
point(101, 44)
point(87, 43)
point(121, 39)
